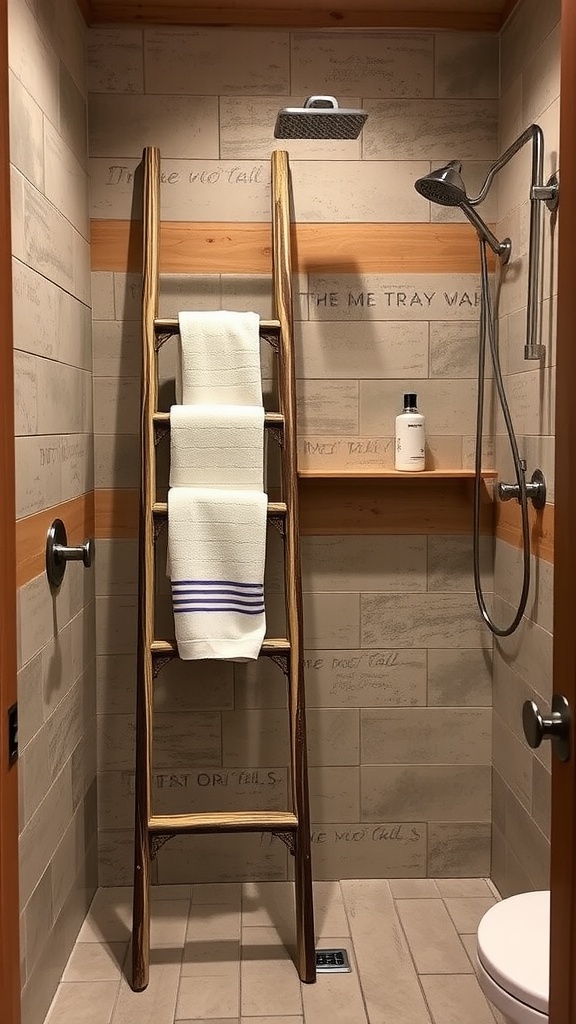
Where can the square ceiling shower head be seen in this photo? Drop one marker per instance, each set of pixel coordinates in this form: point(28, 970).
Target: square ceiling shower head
point(319, 118)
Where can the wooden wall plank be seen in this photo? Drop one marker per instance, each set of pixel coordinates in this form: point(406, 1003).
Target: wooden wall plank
point(239, 248)
point(339, 506)
point(116, 513)
point(78, 518)
point(292, 17)
point(330, 508)
point(85, 10)
point(508, 527)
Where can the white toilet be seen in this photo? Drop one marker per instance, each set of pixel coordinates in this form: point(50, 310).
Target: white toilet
point(513, 957)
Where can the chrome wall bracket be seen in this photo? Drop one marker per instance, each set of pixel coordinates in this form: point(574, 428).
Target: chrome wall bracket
point(535, 490)
point(548, 193)
point(58, 553)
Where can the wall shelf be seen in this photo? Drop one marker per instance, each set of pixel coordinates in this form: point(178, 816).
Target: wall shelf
point(390, 502)
point(393, 474)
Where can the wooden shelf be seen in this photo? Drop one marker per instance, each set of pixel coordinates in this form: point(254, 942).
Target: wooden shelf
point(393, 474)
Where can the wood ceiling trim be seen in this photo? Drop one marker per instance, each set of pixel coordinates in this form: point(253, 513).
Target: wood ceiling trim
point(203, 248)
point(104, 11)
point(85, 10)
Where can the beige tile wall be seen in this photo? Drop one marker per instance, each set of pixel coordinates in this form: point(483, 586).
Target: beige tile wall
point(530, 87)
point(394, 642)
point(54, 463)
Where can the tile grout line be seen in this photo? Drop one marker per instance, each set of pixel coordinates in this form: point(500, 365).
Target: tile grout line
point(409, 948)
point(356, 960)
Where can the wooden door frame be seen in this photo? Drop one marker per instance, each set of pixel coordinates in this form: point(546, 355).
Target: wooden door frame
point(9, 903)
point(563, 863)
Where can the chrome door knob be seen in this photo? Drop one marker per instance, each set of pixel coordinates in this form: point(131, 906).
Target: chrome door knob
point(555, 728)
point(59, 553)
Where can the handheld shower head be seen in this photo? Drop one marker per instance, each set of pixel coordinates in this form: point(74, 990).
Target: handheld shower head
point(319, 118)
point(444, 186)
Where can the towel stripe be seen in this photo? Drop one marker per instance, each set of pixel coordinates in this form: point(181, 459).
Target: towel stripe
point(184, 594)
point(215, 583)
point(220, 608)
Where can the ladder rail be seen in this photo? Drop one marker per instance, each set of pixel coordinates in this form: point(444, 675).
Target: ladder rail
point(146, 574)
point(152, 653)
point(282, 276)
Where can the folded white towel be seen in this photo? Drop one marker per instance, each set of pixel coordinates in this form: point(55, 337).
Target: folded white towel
point(220, 358)
point(216, 554)
point(217, 446)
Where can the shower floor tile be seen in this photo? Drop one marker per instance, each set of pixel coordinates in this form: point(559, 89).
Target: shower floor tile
point(222, 955)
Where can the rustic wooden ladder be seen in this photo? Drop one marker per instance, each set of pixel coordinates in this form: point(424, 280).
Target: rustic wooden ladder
point(292, 827)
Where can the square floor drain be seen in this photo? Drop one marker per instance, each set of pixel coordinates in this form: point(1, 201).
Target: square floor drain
point(332, 961)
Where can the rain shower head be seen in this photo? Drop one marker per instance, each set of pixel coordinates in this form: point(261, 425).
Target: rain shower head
point(319, 118)
point(444, 186)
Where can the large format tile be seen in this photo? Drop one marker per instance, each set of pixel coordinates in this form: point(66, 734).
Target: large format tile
point(213, 61)
point(157, 1003)
point(447, 995)
point(433, 939)
point(440, 793)
point(460, 677)
point(209, 995)
point(363, 63)
point(358, 850)
point(369, 349)
point(434, 620)
point(266, 988)
point(365, 678)
point(95, 961)
point(467, 911)
point(466, 65)
point(426, 736)
point(89, 1002)
point(382, 954)
point(182, 126)
point(334, 997)
point(404, 129)
point(363, 563)
point(461, 849)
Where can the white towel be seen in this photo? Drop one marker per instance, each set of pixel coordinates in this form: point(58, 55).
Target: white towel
point(217, 446)
point(216, 553)
point(220, 359)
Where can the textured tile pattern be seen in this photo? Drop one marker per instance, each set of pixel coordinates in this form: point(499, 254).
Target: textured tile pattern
point(392, 634)
point(223, 954)
point(54, 463)
point(523, 664)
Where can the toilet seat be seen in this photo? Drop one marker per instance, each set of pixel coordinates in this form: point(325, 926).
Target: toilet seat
point(514, 951)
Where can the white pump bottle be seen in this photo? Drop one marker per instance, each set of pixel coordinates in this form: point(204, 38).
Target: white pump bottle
point(410, 450)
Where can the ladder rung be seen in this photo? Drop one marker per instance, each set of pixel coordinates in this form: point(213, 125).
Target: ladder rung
point(275, 508)
point(271, 419)
point(171, 325)
point(167, 648)
point(228, 821)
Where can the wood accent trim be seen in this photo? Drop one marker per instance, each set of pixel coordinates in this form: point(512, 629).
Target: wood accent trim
point(413, 507)
point(562, 1009)
point(393, 474)
point(78, 518)
point(509, 8)
point(85, 10)
point(340, 506)
point(508, 527)
point(9, 908)
point(292, 17)
point(240, 248)
point(116, 513)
